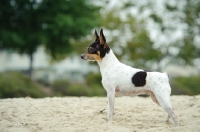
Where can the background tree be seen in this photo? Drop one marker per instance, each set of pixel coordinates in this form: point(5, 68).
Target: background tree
point(177, 28)
point(130, 40)
point(26, 24)
point(190, 42)
point(127, 36)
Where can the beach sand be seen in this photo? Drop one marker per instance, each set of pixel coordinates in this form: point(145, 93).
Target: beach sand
point(82, 114)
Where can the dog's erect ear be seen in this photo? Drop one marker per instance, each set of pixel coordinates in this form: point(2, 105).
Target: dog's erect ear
point(102, 38)
point(96, 35)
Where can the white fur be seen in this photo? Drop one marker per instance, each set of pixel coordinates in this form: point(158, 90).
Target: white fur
point(116, 78)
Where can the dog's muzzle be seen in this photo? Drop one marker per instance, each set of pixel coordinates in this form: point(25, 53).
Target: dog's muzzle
point(86, 57)
point(82, 56)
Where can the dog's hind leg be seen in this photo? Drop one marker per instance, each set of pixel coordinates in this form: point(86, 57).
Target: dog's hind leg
point(163, 98)
point(167, 107)
point(172, 115)
point(167, 120)
point(153, 97)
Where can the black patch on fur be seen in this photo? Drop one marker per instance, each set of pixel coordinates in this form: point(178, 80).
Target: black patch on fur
point(139, 79)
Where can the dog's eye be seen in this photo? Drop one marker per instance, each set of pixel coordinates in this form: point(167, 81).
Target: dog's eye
point(90, 49)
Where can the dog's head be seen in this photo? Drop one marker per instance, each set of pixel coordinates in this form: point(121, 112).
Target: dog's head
point(98, 49)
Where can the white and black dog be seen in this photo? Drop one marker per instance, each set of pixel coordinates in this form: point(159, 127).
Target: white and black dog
point(120, 78)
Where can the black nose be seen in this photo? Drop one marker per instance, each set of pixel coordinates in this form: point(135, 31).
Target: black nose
point(82, 56)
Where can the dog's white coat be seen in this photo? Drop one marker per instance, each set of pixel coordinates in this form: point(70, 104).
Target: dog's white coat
point(116, 78)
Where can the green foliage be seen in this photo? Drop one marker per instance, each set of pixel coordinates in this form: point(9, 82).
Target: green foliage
point(92, 87)
point(176, 27)
point(66, 20)
point(187, 15)
point(156, 18)
point(14, 84)
point(60, 86)
point(127, 37)
point(26, 24)
point(132, 43)
point(186, 85)
point(170, 7)
point(66, 88)
point(93, 79)
point(189, 44)
point(140, 49)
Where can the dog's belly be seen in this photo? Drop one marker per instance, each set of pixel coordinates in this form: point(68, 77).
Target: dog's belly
point(133, 92)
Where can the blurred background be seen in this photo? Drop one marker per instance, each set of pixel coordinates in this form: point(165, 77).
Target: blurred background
point(41, 42)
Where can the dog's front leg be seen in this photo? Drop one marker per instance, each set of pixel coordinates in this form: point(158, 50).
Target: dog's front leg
point(111, 99)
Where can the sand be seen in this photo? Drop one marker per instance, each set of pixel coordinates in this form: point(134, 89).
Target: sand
point(81, 114)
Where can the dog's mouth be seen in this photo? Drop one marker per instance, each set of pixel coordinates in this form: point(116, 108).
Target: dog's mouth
point(87, 58)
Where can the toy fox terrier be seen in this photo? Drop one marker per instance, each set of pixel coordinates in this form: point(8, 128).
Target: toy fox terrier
point(120, 78)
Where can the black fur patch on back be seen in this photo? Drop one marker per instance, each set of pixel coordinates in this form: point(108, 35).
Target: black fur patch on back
point(139, 78)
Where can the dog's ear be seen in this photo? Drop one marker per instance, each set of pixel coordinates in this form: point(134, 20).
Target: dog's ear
point(102, 38)
point(96, 35)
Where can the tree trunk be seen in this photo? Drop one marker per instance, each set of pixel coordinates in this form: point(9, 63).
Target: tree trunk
point(31, 65)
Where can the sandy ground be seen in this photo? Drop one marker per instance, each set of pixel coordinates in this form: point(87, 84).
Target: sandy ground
point(81, 114)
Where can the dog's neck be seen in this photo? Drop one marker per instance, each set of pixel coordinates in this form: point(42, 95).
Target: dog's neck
point(108, 61)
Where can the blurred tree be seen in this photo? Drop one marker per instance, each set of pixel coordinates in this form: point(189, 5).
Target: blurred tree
point(127, 37)
point(190, 44)
point(26, 24)
point(179, 22)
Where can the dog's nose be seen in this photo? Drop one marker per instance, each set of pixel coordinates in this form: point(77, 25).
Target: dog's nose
point(82, 56)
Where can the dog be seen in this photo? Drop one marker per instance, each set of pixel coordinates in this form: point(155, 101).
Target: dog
point(120, 78)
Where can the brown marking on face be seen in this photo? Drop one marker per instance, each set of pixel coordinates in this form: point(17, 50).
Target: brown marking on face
point(95, 57)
